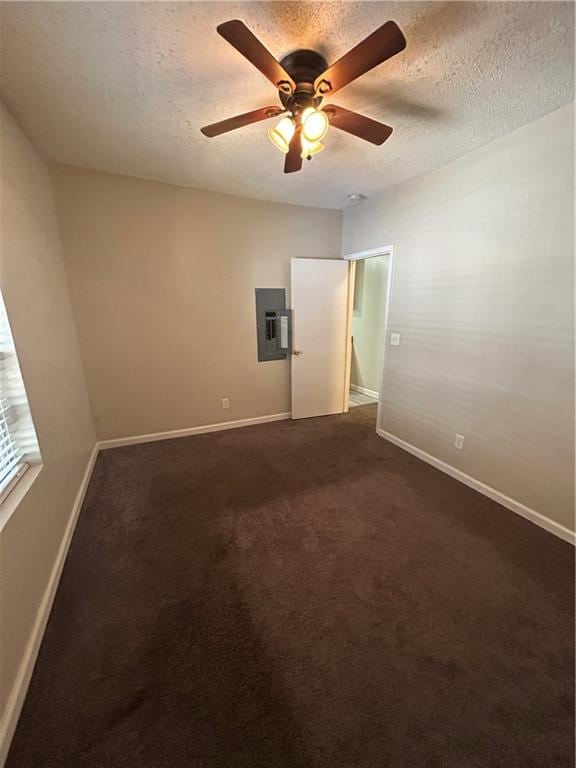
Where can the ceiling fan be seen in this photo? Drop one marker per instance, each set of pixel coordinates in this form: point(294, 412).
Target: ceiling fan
point(303, 79)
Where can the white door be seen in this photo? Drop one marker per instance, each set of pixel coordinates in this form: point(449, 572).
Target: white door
point(320, 300)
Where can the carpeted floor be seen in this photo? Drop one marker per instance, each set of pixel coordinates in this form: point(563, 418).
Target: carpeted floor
point(301, 595)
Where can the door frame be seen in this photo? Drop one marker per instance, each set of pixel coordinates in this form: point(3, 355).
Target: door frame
point(384, 250)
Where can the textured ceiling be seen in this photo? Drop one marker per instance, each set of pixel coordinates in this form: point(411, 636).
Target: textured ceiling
point(125, 87)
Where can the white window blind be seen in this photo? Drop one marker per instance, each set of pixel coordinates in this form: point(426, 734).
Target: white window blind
point(18, 443)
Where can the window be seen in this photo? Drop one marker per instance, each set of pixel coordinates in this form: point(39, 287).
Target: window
point(18, 444)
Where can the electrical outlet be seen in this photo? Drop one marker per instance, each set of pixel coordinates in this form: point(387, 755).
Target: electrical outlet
point(225, 402)
point(395, 339)
point(459, 442)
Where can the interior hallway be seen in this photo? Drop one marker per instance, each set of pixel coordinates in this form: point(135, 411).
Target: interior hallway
point(335, 603)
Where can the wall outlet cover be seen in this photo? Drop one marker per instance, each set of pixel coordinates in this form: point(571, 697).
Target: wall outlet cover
point(395, 339)
point(225, 402)
point(459, 442)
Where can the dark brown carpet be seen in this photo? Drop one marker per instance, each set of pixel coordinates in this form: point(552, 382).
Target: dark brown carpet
point(301, 595)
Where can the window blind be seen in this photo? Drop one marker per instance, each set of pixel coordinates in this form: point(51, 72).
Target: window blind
point(18, 443)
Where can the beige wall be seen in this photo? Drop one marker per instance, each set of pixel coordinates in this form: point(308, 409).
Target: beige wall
point(483, 298)
point(35, 289)
point(162, 281)
point(368, 317)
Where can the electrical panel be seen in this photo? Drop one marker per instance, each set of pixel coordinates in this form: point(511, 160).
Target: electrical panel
point(273, 324)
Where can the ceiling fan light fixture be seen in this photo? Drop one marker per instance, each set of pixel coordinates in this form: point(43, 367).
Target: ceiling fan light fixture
point(310, 148)
point(303, 78)
point(314, 124)
point(282, 133)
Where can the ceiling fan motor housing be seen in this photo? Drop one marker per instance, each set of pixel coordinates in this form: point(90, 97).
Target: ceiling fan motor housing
point(303, 66)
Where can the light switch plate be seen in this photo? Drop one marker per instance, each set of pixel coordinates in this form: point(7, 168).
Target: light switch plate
point(395, 339)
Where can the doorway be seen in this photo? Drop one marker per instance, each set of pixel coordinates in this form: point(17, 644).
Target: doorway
point(340, 312)
point(371, 279)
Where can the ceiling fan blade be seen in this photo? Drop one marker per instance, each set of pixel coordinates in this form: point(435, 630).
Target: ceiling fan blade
point(382, 44)
point(358, 125)
point(293, 160)
point(241, 120)
point(239, 36)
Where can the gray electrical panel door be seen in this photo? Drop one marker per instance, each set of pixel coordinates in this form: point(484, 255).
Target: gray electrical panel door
point(272, 331)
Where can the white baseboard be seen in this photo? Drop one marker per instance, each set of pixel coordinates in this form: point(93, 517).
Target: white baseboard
point(365, 391)
point(516, 506)
point(20, 686)
point(152, 437)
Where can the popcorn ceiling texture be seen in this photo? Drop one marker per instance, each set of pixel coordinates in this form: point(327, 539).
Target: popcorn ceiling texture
point(125, 87)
